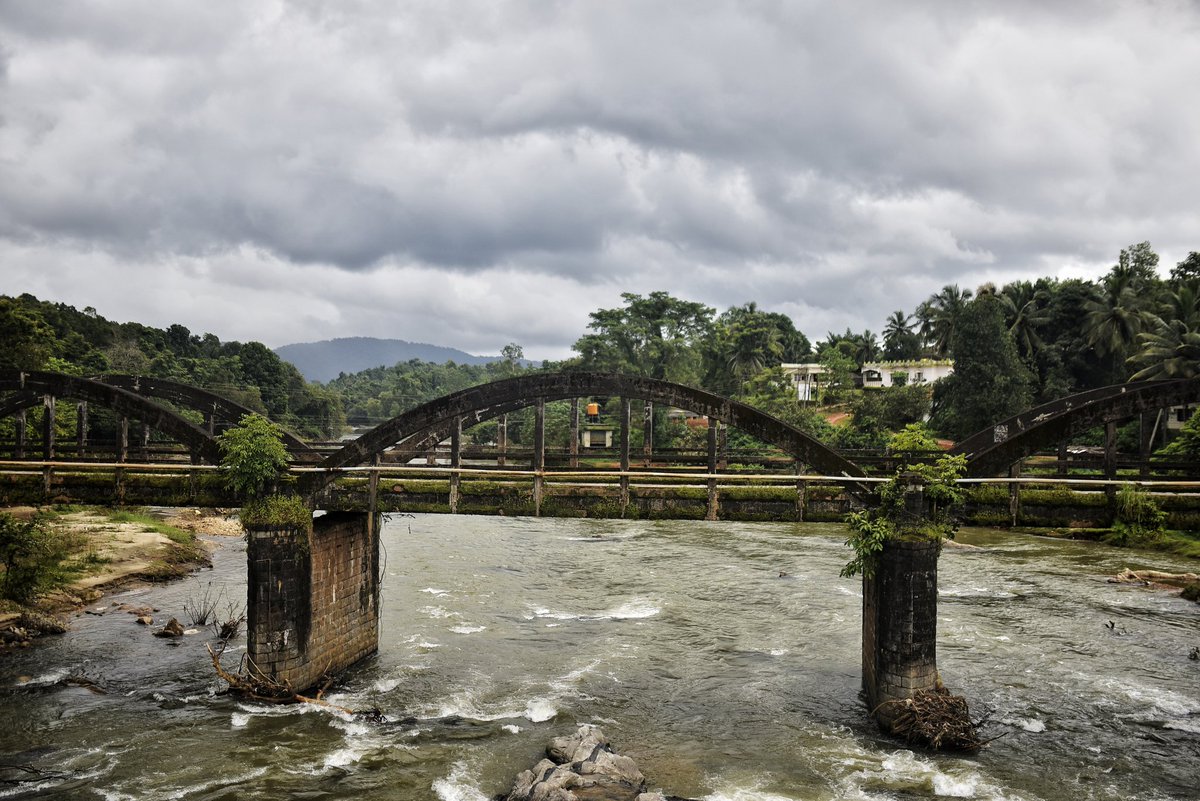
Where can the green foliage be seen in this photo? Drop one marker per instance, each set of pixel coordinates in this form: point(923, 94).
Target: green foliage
point(31, 554)
point(38, 334)
point(868, 533)
point(277, 511)
point(1186, 445)
point(655, 336)
point(990, 382)
point(1061, 496)
point(876, 413)
point(253, 457)
point(892, 519)
point(913, 438)
point(1139, 521)
point(146, 520)
point(380, 393)
point(840, 366)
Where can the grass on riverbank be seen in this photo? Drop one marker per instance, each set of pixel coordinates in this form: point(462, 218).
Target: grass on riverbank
point(1178, 543)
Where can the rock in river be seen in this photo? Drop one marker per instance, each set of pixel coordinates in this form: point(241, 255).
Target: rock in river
point(582, 767)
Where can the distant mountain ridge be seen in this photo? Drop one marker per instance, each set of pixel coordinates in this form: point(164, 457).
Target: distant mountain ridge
point(323, 361)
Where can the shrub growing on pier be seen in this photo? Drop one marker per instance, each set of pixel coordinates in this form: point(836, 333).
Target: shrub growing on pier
point(892, 519)
point(253, 457)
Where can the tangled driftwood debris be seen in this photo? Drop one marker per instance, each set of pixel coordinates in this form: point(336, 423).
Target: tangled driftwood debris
point(1151, 578)
point(933, 719)
point(252, 683)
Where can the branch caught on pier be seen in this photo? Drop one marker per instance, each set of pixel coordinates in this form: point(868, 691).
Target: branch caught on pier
point(252, 683)
point(934, 719)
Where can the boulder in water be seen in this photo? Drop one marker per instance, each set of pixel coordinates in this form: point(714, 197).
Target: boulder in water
point(582, 767)
point(172, 629)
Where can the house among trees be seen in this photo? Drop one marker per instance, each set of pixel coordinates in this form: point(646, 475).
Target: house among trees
point(877, 375)
point(808, 379)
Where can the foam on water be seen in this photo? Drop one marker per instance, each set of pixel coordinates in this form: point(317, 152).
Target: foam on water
point(458, 786)
point(225, 781)
point(51, 677)
point(1032, 725)
point(468, 629)
point(634, 609)
point(539, 710)
point(747, 795)
point(904, 772)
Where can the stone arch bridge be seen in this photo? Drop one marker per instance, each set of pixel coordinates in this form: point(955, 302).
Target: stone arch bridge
point(989, 452)
point(313, 595)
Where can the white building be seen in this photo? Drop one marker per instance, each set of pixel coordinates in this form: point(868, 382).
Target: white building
point(876, 375)
point(807, 378)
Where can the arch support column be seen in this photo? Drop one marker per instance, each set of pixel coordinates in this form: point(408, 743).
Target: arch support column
point(312, 597)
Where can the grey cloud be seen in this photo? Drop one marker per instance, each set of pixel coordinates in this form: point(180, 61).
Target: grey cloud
point(837, 158)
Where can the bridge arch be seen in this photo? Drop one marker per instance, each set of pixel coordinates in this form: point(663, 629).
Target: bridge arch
point(198, 399)
point(488, 400)
point(35, 384)
point(994, 449)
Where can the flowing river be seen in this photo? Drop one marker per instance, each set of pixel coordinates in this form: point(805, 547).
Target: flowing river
point(723, 679)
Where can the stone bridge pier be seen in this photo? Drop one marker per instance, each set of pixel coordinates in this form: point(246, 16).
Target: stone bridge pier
point(899, 622)
point(312, 597)
point(899, 656)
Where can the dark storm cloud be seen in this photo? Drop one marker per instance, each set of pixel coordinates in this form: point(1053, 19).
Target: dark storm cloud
point(838, 160)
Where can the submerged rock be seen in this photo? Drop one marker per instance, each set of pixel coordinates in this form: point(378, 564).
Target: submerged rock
point(172, 629)
point(582, 767)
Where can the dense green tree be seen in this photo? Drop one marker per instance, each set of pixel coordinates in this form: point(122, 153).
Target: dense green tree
point(1188, 269)
point(1170, 350)
point(990, 382)
point(253, 457)
point(1116, 315)
point(654, 336)
point(26, 338)
point(84, 343)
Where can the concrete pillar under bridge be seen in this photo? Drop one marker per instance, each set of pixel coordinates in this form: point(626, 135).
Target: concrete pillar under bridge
point(312, 598)
point(899, 643)
point(899, 624)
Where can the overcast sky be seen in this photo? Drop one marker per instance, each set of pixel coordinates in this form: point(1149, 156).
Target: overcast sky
point(471, 174)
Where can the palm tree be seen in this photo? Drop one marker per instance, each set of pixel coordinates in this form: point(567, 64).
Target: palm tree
point(898, 324)
point(868, 347)
point(1025, 311)
point(1115, 316)
point(1170, 350)
point(945, 308)
point(899, 340)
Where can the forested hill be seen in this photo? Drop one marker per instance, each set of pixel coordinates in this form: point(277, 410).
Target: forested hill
point(39, 335)
point(326, 360)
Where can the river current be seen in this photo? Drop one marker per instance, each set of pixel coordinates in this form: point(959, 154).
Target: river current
point(722, 678)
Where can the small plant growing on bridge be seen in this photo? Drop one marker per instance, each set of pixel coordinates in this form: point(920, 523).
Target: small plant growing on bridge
point(253, 457)
point(893, 519)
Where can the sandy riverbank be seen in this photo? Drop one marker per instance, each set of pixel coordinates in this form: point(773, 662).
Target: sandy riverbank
point(117, 549)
